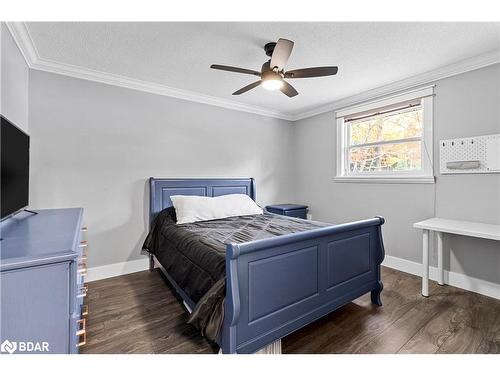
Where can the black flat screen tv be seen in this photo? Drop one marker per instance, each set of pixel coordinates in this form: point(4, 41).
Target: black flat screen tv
point(15, 146)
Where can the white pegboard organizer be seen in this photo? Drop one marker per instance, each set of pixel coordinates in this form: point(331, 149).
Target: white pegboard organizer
point(466, 149)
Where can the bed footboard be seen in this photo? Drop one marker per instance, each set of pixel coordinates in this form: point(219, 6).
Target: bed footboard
point(277, 285)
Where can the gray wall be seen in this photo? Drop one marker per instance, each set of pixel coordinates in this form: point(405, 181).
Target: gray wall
point(95, 145)
point(465, 105)
point(14, 81)
point(469, 105)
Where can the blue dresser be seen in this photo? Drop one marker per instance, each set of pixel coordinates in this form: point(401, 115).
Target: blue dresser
point(42, 271)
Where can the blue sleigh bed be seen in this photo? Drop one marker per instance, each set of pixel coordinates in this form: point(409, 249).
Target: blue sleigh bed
point(275, 286)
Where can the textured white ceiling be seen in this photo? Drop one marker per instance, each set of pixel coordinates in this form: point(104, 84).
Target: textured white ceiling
point(179, 55)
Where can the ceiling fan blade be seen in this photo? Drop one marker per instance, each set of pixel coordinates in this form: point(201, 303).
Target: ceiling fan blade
point(235, 69)
point(247, 88)
point(320, 71)
point(281, 53)
point(288, 90)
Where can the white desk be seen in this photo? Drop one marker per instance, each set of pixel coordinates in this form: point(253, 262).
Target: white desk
point(441, 226)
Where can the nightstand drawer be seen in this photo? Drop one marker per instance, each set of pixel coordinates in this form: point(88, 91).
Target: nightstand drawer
point(301, 213)
point(293, 210)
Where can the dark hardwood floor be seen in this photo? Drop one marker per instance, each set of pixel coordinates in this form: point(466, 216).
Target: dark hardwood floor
point(139, 313)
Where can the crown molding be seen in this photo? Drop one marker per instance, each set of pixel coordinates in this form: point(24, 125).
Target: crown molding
point(413, 82)
point(153, 88)
point(21, 36)
point(25, 43)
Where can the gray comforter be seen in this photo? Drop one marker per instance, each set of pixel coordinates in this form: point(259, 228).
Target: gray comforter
point(194, 256)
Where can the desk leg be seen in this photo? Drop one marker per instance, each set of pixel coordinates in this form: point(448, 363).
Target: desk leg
point(440, 236)
point(425, 263)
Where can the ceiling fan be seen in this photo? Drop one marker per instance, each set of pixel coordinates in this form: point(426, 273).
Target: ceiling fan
point(273, 73)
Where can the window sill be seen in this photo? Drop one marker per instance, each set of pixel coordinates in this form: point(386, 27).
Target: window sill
point(387, 180)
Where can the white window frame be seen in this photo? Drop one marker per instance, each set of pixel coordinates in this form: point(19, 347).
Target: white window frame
point(425, 175)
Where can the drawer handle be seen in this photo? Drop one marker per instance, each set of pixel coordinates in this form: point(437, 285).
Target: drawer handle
point(85, 310)
point(83, 244)
point(81, 333)
point(82, 269)
point(83, 291)
point(84, 228)
point(83, 257)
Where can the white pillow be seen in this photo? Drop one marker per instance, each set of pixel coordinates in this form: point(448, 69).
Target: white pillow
point(193, 208)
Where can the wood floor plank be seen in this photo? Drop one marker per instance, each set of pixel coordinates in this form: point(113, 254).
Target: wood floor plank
point(392, 339)
point(140, 313)
point(491, 342)
point(435, 332)
point(465, 340)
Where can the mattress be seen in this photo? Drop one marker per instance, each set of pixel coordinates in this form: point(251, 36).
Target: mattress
point(194, 256)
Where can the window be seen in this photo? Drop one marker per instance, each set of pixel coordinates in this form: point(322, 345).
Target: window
point(387, 141)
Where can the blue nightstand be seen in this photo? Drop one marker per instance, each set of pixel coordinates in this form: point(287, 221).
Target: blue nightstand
point(294, 210)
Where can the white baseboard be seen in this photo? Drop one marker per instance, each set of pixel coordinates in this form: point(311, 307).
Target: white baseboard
point(458, 280)
point(117, 269)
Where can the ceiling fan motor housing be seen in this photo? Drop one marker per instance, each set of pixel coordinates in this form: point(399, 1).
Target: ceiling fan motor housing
point(269, 48)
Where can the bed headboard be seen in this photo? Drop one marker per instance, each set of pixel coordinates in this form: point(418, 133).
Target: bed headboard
point(160, 190)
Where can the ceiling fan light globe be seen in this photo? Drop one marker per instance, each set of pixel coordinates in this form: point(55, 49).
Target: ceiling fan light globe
point(272, 84)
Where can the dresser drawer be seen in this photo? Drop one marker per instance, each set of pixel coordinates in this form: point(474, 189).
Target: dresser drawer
point(35, 305)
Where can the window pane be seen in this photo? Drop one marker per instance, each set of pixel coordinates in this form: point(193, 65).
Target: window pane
point(387, 127)
point(387, 157)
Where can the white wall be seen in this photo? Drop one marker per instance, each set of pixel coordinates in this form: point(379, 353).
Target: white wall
point(14, 81)
point(95, 146)
point(465, 105)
